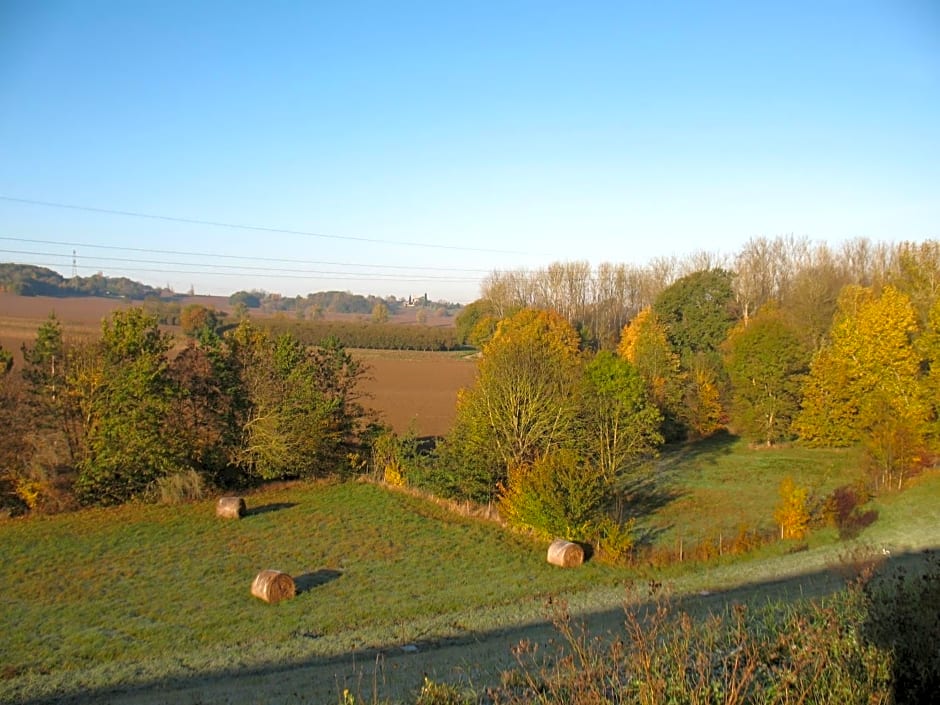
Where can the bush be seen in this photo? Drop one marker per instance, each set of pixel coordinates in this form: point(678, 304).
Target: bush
point(842, 509)
point(179, 487)
point(779, 655)
point(904, 621)
point(558, 496)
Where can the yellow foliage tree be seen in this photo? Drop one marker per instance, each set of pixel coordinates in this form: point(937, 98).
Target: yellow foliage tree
point(703, 413)
point(547, 329)
point(792, 513)
point(870, 369)
point(644, 343)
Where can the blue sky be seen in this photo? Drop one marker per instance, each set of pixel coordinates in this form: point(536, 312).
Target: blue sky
point(414, 147)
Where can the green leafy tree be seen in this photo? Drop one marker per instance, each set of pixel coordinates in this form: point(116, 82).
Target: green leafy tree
point(248, 299)
point(468, 318)
point(621, 424)
point(766, 362)
point(127, 401)
point(45, 360)
point(524, 401)
point(55, 411)
point(300, 416)
point(697, 311)
point(558, 495)
point(204, 411)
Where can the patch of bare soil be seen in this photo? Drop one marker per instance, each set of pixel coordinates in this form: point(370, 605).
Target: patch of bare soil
point(417, 390)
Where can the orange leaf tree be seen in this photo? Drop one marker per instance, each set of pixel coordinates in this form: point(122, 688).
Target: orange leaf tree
point(644, 344)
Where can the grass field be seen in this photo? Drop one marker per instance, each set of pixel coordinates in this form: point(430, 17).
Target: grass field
point(151, 595)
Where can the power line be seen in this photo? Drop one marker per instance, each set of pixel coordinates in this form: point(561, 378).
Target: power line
point(326, 276)
point(216, 255)
point(255, 228)
point(244, 270)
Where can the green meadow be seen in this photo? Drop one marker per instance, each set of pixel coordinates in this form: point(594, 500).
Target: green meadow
point(144, 593)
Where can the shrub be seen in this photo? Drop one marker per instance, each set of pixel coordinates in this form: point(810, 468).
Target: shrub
point(557, 496)
point(613, 540)
point(904, 620)
point(842, 509)
point(179, 487)
point(874, 642)
point(792, 513)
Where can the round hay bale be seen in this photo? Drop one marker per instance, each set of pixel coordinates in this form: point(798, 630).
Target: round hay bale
point(565, 554)
point(273, 586)
point(230, 507)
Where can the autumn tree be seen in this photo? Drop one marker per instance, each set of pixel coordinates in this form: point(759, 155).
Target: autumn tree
point(867, 384)
point(871, 358)
point(523, 403)
point(645, 345)
point(196, 320)
point(6, 361)
point(14, 448)
point(298, 405)
point(766, 362)
point(928, 346)
point(792, 512)
point(380, 313)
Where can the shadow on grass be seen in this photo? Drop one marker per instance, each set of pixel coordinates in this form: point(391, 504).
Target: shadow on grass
point(246, 684)
point(309, 581)
point(708, 450)
point(273, 507)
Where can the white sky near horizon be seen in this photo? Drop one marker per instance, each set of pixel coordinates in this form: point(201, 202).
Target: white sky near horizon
point(411, 147)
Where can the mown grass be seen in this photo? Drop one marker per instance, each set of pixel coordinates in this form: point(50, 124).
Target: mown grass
point(138, 583)
point(144, 593)
point(718, 485)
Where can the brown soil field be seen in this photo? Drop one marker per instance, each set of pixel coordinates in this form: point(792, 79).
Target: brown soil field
point(406, 389)
point(416, 389)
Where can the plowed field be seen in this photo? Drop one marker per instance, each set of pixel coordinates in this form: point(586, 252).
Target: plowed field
point(404, 388)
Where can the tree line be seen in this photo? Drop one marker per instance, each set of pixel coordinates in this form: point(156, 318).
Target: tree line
point(796, 345)
point(374, 335)
point(314, 305)
point(561, 426)
point(30, 280)
point(799, 275)
point(131, 416)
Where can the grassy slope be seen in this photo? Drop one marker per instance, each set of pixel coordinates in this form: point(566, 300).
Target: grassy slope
point(720, 484)
point(140, 593)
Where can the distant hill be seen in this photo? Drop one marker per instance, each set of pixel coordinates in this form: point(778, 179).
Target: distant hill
point(336, 302)
point(29, 280)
